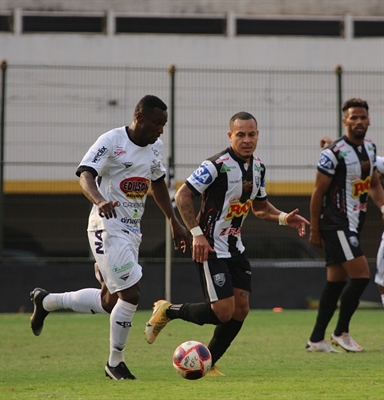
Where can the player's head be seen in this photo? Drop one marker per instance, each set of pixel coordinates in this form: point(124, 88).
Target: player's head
point(356, 118)
point(243, 134)
point(150, 117)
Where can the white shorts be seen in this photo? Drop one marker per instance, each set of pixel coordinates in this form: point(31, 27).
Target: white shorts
point(116, 253)
point(379, 277)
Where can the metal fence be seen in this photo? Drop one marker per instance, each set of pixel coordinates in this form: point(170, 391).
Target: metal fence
point(52, 114)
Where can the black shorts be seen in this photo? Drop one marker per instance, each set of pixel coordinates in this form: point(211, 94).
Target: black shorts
point(341, 246)
point(218, 276)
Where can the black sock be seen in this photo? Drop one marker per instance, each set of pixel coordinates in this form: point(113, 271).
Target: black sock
point(327, 306)
point(198, 313)
point(222, 338)
point(349, 301)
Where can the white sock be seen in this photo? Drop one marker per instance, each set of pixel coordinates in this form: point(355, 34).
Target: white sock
point(82, 301)
point(120, 325)
point(382, 299)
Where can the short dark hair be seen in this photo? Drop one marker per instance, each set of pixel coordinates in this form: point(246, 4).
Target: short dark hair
point(148, 103)
point(355, 102)
point(241, 115)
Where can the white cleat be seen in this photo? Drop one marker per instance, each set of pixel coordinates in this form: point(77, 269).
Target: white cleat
point(321, 346)
point(346, 342)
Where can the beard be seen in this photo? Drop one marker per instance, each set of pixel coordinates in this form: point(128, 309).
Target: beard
point(358, 135)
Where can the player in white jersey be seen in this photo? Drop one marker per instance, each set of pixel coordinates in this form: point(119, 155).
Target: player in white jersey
point(379, 277)
point(346, 175)
point(231, 184)
point(115, 175)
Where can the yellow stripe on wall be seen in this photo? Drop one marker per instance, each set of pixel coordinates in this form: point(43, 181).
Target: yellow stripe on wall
point(276, 188)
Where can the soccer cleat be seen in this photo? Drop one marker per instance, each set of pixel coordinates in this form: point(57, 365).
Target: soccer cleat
point(214, 371)
point(119, 372)
point(158, 320)
point(321, 346)
point(346, 342)
point(39, 313)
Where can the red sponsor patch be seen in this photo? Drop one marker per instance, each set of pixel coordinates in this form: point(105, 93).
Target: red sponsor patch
point(134, 188)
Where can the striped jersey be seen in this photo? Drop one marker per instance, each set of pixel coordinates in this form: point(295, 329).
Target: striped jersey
point(351, 168)
point(228, 186)
point(124, 172)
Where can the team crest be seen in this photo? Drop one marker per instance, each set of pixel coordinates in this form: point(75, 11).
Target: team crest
point(219, 279)
point(354, 241)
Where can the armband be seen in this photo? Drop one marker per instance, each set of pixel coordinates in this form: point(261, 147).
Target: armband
point(282, 218)
point(382, 209)
point(196, 231)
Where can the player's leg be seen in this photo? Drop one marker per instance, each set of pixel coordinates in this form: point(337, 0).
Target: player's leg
point(336, 280)
point(219, 307)
point(122, 274)
point(379, 277)
point(225, 333)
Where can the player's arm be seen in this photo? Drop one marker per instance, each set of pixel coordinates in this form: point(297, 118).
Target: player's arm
point(180, 235)
point(89, 188)
point(184, 201)
point(376, 192)
point(263, 209)
point(316, 205)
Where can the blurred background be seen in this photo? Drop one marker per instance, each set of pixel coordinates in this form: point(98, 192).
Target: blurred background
point(73, 70)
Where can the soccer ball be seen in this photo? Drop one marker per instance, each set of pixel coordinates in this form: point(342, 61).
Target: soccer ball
point(192, 360)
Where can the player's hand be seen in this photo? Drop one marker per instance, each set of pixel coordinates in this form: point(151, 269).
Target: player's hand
point(107, 209)
point(325, 141)
point(181, 236)
point(294, 220)
point(201, 248)
point(315, 238)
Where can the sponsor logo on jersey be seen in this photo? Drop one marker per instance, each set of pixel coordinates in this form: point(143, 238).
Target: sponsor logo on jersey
point(238, 209)
point(354, 241)
point(127, 164)
point(119, 151)
point(361, 187)
point(360, 207)
point(247, 186)
point(224, 168)
point(326, 163)
point(202, 175)
point(155, 152)
point(130, 204)
point(257, 168)
point(342, 154)
point(222, 159)
point(365, 165)
point(131, 221)
point(100, 152)
point(155, 164)
point(135, 188)
point(219, 279)
point(231, 231)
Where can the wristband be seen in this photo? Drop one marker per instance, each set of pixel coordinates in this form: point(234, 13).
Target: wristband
point(382, 209)
point(196, 231)
point(282, 220)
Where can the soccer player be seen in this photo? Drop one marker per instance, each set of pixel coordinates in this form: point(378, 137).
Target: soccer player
point(346, 174)
point(115, 175)
point(230, 183)
point(379, 277)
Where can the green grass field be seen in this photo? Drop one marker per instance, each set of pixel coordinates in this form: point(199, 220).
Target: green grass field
point(266, 361)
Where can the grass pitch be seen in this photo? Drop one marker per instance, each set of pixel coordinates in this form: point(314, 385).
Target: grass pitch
point(266, 361)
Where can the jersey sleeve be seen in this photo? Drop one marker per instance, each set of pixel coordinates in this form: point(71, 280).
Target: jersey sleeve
point(203, 177)
point(380, 164)
point(327, 162)
point(157, 168)
point(98, 154)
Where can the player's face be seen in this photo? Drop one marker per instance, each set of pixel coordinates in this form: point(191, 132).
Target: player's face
point(152, 126)
point(356, 120)
point(243, 137)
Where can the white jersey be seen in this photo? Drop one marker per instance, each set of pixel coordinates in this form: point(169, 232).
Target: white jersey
point(380, 164)
point(124, 172)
